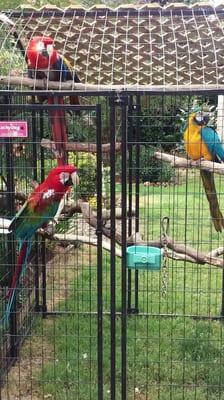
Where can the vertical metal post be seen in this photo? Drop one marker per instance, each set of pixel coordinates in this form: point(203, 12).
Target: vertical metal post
point(137, 187)
point(35, 177)
point(99, 255)
point(220, 125)
point(112, 254)
point(11, 244)
point(34, 141)
point(222, 300)
point(130, 179)
point(43, 245)
point(124, 246)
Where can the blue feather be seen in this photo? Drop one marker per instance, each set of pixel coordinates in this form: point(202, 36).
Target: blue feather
point(213, 142)
point(64, 70)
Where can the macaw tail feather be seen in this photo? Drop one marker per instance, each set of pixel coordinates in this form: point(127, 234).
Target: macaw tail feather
point(210, 190)
point(59, 129)
point(21, 265)
point(74, 100)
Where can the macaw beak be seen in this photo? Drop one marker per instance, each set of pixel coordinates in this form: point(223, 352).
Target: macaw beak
point(206, 119)
point(75, 178)
point(45, 53)
point(202, 118)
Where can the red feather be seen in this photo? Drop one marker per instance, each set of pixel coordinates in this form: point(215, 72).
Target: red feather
point(36, 59)
point(50, 191)
point(58, 129)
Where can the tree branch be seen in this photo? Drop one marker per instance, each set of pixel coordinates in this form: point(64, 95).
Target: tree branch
point(92, 221)
point(172, 253)
point(52, 85)
point(216, 252)
point(175, 251)
point(79, 147)
point(18, 195)
point(71, 85)
point(186, 253)
point(64, 238)
point(181, 162)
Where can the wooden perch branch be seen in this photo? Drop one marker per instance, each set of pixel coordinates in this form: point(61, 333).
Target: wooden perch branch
point(175, 251)
point(41, 84)
point(79, 147)
point(216, 252)
point(178, 251)
point(106, 214)
point(92, 221)
point(68, 85)
point(71, 85)
point(84, 239)
point(181, 162)
point(182, 252)
point(18, 195)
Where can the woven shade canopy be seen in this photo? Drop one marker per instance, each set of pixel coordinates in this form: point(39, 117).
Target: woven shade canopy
point(141, 47)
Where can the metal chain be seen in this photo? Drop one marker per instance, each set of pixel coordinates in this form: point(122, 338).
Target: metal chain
point(165, 229)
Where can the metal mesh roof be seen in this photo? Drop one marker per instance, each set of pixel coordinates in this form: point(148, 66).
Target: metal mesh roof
point(146, 46)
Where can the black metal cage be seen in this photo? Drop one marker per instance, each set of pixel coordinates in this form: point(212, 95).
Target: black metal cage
point(123, 297)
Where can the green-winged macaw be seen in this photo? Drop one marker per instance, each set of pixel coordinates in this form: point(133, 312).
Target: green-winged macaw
point(202, 141)
point(40, 207)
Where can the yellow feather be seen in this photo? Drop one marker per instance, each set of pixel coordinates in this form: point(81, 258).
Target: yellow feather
point(194, 146)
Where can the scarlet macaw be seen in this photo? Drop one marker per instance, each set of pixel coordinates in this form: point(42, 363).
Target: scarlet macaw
point(37, 211)
point(44, 62)
point(202, 141)
point(42, 58)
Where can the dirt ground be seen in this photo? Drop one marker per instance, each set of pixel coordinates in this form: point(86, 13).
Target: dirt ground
point(20, 381)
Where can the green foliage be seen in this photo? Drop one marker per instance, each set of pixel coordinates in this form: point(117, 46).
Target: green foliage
point(62, 3)
point(159, 128)
point(160, 125)
point(153, 170)
point(82, 127)
point(65, 3)
point(10, 61)
point(86, 164)
point(150, 169)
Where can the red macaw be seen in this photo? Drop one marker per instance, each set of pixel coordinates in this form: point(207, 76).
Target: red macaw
point(37, 211)
point(42, 58)
point(202, 141)
point(44, 62)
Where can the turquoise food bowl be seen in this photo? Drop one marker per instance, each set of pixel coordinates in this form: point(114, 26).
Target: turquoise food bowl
point(144, 257)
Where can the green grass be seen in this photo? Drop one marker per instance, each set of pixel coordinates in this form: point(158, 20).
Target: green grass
point(178, 358)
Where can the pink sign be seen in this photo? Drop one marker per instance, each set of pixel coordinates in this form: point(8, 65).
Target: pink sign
point(13, 129)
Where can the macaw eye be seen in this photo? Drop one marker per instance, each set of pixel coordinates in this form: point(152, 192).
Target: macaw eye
point(64, 177)
point(50, 49)
point(202, 118)
point(199, 117)
point(40, 47)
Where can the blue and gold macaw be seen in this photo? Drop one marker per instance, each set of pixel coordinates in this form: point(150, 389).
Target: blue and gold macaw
point(202, 141)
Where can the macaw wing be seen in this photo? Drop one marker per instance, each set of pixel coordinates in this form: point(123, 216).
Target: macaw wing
point(213, 142)
point(66, 70)
point(39, 208)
